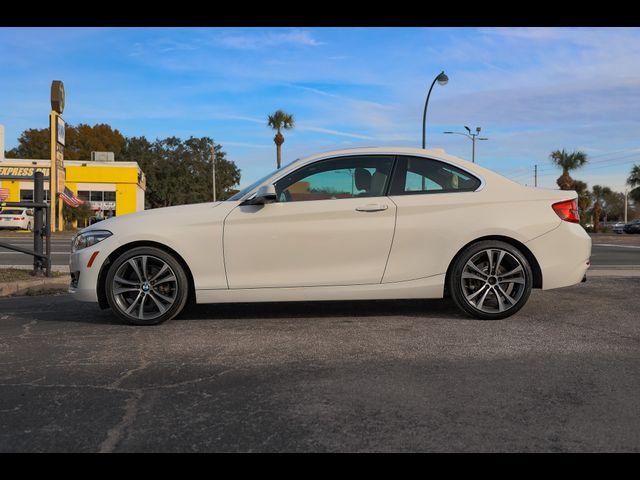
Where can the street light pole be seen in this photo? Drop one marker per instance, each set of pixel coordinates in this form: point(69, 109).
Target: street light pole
point(473, 137)
point(213, 165)
point(442, 79)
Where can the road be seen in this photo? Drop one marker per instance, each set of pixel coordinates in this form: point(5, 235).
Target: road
point(60, 248)
point(604, 253)
point(561, 375)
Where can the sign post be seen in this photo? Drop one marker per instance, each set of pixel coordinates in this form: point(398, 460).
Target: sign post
point(57, 175)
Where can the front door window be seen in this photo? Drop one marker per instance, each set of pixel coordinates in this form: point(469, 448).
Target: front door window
point(337, 178)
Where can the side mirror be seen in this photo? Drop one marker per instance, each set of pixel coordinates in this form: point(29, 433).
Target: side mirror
point(265, 194)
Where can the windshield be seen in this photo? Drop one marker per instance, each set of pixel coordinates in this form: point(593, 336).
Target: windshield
point(11, 212)
point(246, 190)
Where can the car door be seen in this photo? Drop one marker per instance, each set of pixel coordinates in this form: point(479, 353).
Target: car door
point(331, 225)
point(435, 201)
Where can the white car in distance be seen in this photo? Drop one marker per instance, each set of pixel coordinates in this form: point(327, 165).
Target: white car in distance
point(368, 223)
point(16, 218)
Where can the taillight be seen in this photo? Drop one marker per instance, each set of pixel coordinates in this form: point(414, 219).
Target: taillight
point(18, 218)
point(567, 210)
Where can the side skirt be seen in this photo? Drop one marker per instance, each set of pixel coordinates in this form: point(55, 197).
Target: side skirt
point(429, 287)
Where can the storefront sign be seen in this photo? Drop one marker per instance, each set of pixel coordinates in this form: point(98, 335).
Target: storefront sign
point(60, 171)
point(23, 173)
point(60, 130)
point(103, 205)
point(57, 96)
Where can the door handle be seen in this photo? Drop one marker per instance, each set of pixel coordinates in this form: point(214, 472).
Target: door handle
point(372, 207)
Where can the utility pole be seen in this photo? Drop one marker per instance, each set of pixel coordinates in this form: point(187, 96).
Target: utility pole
point(626, 202)
point(535, 175)
point(473, 138)
point(213, 165)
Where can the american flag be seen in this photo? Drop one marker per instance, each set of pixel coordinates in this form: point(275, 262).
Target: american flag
point(70, 199)
point(4, 194)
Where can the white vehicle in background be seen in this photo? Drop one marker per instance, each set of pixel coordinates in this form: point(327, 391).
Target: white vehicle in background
point(16, 218)
point(361, 224)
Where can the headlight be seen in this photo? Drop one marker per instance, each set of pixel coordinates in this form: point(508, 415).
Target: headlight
point(87, 239)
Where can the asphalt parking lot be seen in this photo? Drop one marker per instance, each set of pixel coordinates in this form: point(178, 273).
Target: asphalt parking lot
point(561, 375)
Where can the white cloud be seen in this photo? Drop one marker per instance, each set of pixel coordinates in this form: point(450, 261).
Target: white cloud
point(247, 41)
point(333, 132)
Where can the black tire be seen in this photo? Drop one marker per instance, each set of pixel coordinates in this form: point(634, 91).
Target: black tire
point(496, 297)
point(149, 294)
point(29, 227)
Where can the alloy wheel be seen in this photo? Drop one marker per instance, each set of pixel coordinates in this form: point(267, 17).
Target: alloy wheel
point(493, 280)
point(144, 287)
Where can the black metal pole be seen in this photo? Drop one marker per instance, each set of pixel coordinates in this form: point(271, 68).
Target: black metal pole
point(473, 148)
point(424, 115)
point(38, 197)
point(47, 223)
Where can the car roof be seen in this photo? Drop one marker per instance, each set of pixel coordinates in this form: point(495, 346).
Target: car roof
point(435, 153)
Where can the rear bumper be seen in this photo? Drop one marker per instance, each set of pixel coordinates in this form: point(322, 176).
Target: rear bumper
point(19, 224)
point(563, 255)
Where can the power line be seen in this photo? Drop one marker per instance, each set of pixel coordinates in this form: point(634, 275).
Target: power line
point(604, 160)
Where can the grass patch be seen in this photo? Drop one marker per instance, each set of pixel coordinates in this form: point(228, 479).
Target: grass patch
point(16, 274)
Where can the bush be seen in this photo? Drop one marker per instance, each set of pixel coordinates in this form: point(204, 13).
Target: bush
point(80, 214)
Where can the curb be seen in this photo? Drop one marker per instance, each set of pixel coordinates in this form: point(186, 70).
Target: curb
point(21, 286)
point(54, 268)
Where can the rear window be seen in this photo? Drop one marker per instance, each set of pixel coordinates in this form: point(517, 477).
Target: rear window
point(417, 175)
point(11, 212)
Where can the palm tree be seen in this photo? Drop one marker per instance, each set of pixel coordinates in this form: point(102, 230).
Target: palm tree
point(599, 195)
point(584, 196)
point(634, 182)
point(567, 161)
point(280, 120)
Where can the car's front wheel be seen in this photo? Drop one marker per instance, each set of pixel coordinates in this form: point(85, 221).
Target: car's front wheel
point(146, 286)
point(490, 280)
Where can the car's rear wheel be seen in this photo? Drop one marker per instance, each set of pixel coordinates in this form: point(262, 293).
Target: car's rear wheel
point(146, 286)
point(490, 280)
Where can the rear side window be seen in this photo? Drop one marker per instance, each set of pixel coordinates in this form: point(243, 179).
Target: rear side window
point(417, 175)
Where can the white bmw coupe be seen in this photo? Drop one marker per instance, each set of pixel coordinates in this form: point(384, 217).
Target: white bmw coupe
point(368, 223)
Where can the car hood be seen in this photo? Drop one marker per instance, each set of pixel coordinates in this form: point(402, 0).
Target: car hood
point(163, 220)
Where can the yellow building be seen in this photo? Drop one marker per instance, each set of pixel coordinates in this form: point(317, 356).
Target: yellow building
point(110, 188)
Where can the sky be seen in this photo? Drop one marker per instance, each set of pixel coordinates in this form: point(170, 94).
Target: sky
point(531, 90)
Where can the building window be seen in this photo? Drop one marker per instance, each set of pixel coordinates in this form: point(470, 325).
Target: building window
point(26, 195)
point(109, 196)
point(83, 195)
point(96, 196)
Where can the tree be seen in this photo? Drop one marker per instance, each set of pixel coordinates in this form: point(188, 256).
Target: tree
point(599, 195)
point(584, 198)
point(614, 206)
point(634, 182)
point(567, 161)
point(180, 172)
point(177, 171)
point(33, 143)
point(80, 142)
point(280, 121)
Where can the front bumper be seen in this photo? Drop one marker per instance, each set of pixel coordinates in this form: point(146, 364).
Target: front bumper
point(84, 279)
